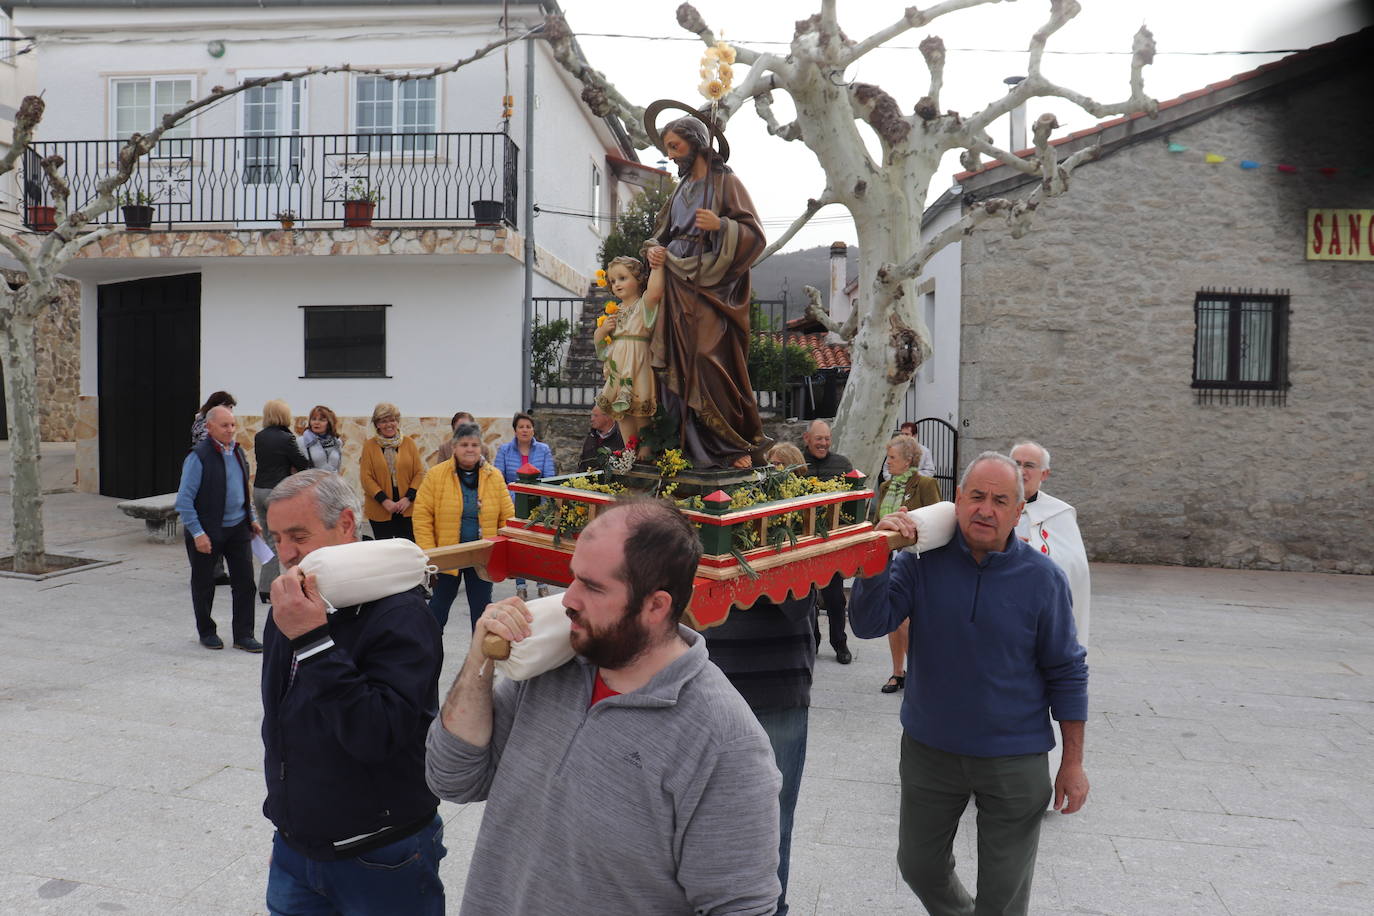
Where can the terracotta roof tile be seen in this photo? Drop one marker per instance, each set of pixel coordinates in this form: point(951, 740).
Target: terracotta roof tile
point(826, 356)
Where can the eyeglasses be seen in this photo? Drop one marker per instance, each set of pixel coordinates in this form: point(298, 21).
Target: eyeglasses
point(1027, 465)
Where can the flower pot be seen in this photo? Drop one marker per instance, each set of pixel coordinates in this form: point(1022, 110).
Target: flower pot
point(288, 224)
point(487, 212)
point(138, 217)
point(358, 213)
point(42, 219)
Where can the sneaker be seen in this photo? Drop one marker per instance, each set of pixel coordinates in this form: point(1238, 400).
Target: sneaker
point(248, 644)
point(211, 641)
point(542, 591)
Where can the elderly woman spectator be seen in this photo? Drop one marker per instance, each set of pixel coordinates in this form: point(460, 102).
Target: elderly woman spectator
point(513, 455)
point(321, 441)
point(278, 455)
point(462, 499)
point(218, 399)
point(907, 489)
point(390, 470)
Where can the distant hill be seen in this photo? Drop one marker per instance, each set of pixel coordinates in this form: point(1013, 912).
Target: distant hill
point(794, 270)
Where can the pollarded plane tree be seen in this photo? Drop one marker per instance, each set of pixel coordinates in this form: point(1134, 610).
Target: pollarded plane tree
point(884, 189)
point(42, 258)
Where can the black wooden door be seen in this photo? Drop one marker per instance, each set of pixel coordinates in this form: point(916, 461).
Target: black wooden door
point(943, 441)
point(149, 376)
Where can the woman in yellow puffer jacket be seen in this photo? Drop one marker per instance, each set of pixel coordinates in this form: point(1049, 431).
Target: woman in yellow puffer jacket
point(463, 499)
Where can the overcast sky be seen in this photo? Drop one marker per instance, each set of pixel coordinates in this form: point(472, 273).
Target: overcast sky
point(781, 176)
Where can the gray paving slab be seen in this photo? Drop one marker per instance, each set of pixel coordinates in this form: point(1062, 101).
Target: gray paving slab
point(1229, 743)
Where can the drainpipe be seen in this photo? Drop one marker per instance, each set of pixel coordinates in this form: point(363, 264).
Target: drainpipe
point(526, 383)
point(1017, 119)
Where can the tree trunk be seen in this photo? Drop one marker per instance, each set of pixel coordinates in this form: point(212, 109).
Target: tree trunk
point(18, 352)
point(892, 340)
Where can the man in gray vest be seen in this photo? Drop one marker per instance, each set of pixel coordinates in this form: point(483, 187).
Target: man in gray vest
point(215, 502)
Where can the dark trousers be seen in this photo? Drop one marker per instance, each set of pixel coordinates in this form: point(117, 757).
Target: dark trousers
point(832, 596)
point(446, 589)
point(400, 526)
point(1011, 794)
point(234, 545)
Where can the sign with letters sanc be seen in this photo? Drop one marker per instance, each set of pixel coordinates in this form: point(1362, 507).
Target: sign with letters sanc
point(1340, 235)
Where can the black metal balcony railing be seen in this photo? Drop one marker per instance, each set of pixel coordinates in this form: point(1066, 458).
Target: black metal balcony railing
point(418, 177)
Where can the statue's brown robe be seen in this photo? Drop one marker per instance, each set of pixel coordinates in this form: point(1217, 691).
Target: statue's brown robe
point(700, 346)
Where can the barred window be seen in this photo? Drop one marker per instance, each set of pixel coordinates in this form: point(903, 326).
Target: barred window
point(345, 341)
point(1240, 347)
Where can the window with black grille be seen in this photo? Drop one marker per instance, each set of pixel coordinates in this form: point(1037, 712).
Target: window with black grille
point(1240, 347)
point(345, 341)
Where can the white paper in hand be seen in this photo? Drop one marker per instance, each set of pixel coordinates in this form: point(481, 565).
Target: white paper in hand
point(934, 526)
point(261, 551)
point(548, 646)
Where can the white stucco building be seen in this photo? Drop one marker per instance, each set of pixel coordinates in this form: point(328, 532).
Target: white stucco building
point(427, 308)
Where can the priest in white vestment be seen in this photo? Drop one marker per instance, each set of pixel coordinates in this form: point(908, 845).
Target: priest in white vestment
point(1050, 525)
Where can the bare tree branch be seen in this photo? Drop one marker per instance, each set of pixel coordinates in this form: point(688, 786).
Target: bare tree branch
point(20, 252)
point(25, 120)
point(690, 19)
point(912, 18)
point(1041, 132)
point(1036, 86)
point(763, 105)
point(812, 206)
point(933, 50)
point(1005, 157)
point(837, 335)
point(598, 93)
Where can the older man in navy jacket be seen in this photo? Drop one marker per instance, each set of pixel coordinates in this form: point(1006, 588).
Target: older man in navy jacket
point(993, 656)
point(348, 694)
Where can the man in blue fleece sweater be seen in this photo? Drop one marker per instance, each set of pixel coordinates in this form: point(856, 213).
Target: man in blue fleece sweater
point(993, 655)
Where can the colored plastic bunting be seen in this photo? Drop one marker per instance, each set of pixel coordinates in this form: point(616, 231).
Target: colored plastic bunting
point(1249, 164)
point(1177, 148)
point(1214, 159)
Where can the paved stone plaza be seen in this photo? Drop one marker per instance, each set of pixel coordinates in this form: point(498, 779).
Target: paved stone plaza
point(1230, 749)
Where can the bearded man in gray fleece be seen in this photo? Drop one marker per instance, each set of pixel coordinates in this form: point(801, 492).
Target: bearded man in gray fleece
point(633, 779)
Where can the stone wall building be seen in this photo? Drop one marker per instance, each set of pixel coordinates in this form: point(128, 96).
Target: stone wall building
point(59, 363)
point(1104, 332)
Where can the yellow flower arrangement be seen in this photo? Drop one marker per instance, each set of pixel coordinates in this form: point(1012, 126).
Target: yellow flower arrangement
point(613, 307)
point(601, 278)
point(600, 320)
point(671, 462)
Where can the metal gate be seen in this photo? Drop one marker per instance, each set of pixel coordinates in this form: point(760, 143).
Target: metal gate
point(943, 441)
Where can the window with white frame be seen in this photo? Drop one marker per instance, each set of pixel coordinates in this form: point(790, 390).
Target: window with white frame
point(7, 42)
point(139, 104)
point(596, 199)
point(394, 107)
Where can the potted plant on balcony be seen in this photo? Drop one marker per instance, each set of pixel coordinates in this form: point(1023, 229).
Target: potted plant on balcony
point(359, 203)
point(287, 218)
point(138, 210)
point(487, 212)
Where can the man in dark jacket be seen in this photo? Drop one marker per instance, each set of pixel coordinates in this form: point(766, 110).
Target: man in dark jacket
point(823, 463)
point(216, 508)
point(348, 694)
point(605, 433)
point(767, 654)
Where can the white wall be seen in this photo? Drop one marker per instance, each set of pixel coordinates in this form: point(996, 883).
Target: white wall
point(937, 383)
point(452, 335)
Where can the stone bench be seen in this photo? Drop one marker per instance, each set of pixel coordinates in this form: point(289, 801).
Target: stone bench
point(159, 514)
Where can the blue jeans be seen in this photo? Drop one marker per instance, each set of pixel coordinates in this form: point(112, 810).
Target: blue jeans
point(400, 878)
point(786, 730)
point(446, 589)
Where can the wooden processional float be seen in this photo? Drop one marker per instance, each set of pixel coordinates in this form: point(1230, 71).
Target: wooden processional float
point(827, 534)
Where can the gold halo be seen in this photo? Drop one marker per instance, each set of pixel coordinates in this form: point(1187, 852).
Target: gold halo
point(651, 126)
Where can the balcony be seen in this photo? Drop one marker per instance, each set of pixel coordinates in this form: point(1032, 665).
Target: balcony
point(244, 182)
